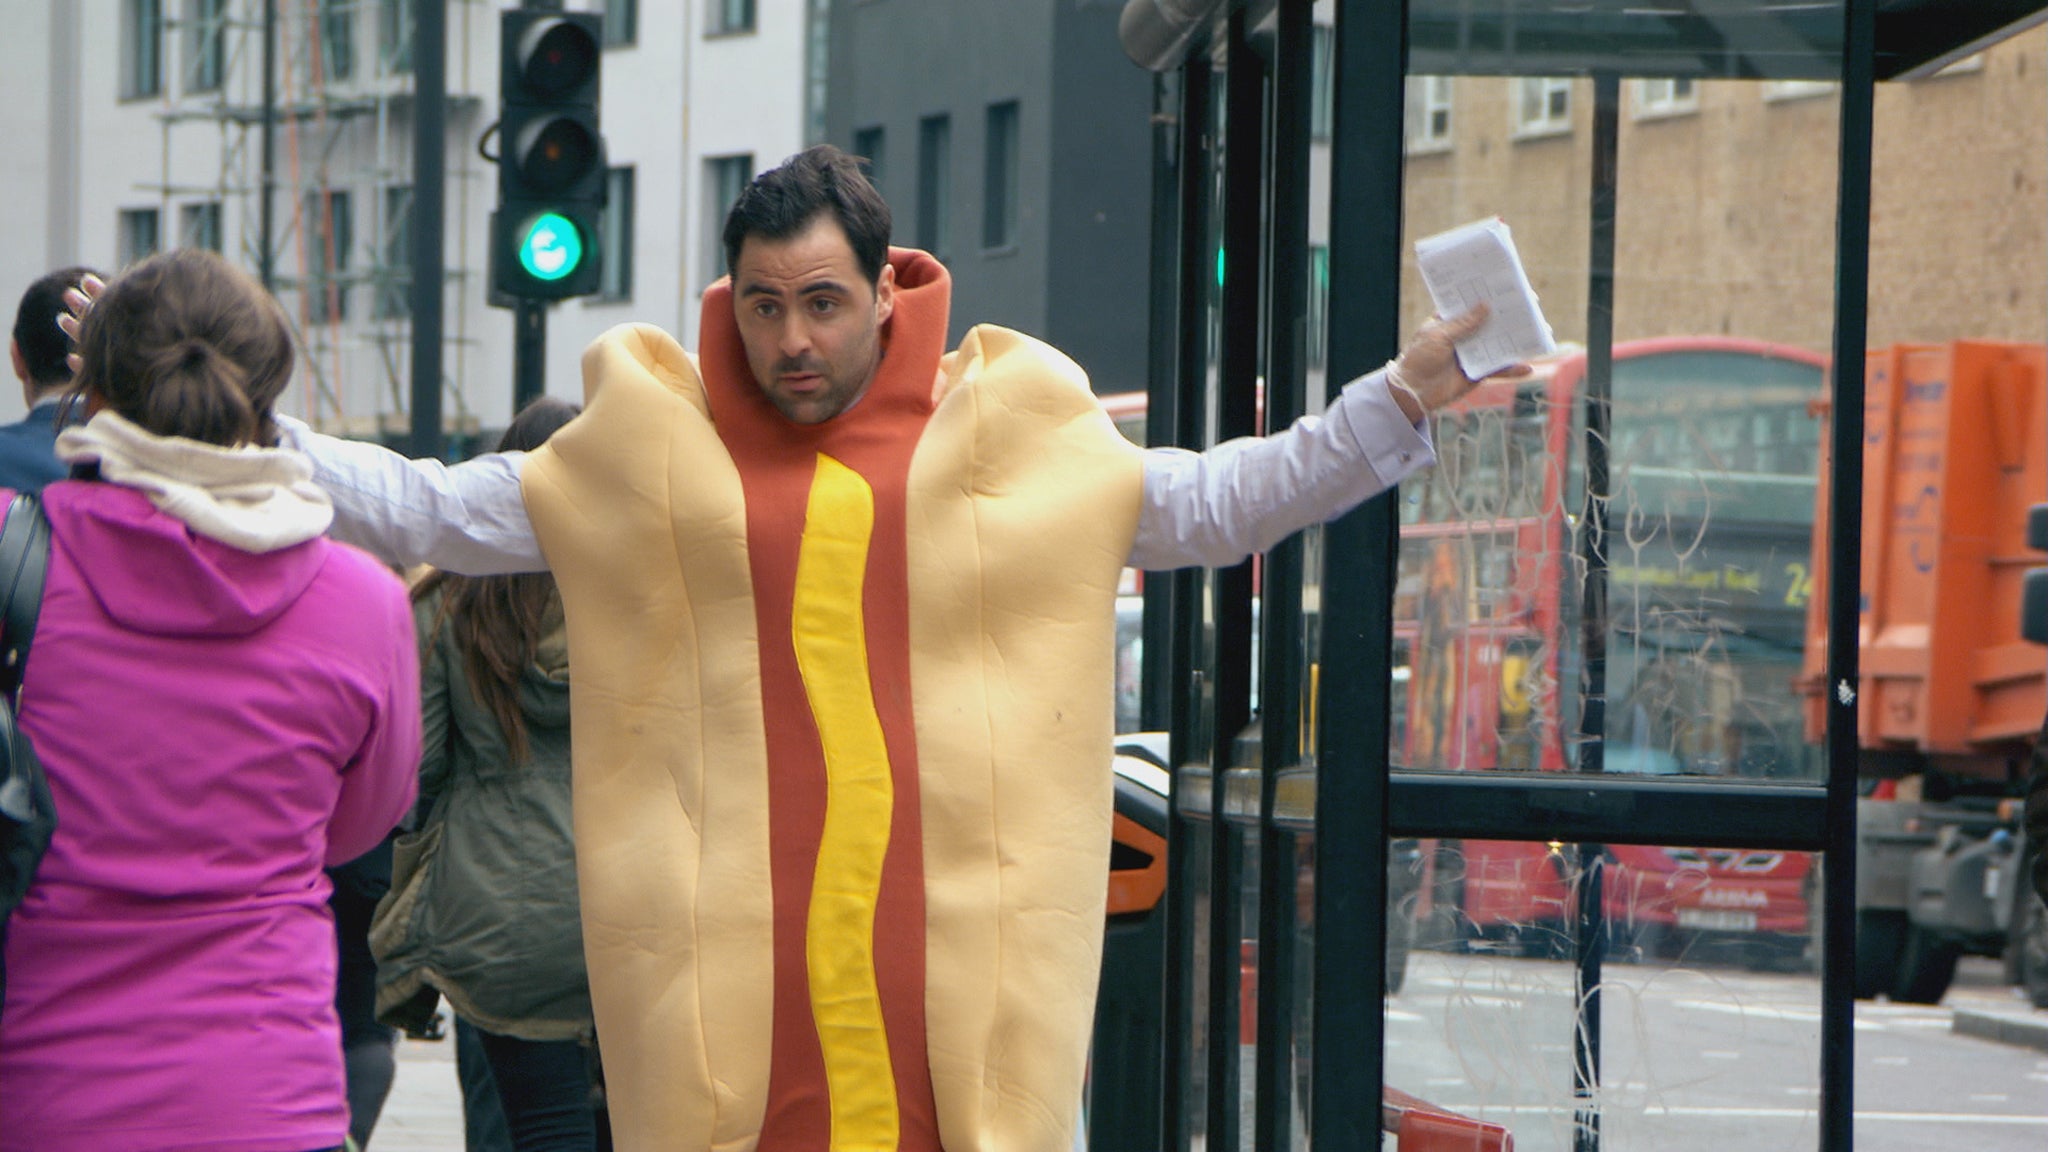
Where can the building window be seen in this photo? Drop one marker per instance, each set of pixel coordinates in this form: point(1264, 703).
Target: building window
point(338, 38)
point(1317, 329)
point(1776, 90)
point(1321, 90)
point(199, 225)
point(395, 24)
point(725, 177)
point(999, 185)
point(205, 44)
point(142, 48)
point(394, 248)
point(138, 238)
point(621, 23)
point(868, 146)
point(1543, 105)
point(615, 231)
point(1677, 96)
point(330, 230)
point(934, 182)
point(817, 66)
point(1428, 112)
point(729, 16)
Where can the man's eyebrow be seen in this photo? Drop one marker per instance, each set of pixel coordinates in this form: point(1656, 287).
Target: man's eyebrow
point(824, 284)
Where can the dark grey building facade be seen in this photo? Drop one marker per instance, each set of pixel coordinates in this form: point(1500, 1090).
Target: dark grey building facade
point(1012, 139)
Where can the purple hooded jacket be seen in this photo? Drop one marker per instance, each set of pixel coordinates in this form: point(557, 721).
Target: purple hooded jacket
point(217, 725)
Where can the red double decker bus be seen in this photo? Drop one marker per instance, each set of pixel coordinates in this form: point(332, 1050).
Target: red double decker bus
point(1712, 457)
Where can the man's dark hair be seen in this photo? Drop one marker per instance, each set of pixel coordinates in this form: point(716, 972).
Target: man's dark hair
point(43, 345)
point(782, 202)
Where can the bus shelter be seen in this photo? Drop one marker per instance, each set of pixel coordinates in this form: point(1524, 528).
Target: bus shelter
point(1566, 722)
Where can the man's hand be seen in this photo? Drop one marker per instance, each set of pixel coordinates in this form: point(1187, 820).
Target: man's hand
point(77, 302)
point(1426, 375)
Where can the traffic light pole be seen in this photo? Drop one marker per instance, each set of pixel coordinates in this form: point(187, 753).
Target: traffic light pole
point(429, 207)
point(529, 352)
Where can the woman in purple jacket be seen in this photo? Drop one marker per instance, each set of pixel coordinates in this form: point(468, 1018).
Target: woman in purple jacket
point(224, 702)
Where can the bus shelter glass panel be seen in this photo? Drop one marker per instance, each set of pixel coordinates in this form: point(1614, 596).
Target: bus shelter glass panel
point(1708, 1038)
point(1611, 568)
point(1703, 332)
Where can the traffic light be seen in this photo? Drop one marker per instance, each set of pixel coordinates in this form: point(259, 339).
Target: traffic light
point(551, 159)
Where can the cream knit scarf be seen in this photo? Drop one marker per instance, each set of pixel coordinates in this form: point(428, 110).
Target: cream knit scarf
point(253, 499)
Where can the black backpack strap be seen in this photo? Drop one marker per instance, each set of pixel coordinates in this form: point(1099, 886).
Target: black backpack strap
point(24, 560)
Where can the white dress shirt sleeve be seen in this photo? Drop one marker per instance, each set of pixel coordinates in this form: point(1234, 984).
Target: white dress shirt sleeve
point(1214, 508)
point(468, 518)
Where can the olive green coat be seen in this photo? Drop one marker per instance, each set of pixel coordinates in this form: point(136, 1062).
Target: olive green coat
point(483, 906)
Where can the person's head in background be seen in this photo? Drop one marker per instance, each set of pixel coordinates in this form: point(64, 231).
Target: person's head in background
point(38, 347)
point(499, 621)
point(186, 344)
point(533, 424)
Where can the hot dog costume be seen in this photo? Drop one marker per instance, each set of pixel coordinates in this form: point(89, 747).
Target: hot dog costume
point(843, 720)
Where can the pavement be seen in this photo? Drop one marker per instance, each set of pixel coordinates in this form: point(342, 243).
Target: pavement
point(1983, 1005)
point(2024, 1028)
point(424, 1111)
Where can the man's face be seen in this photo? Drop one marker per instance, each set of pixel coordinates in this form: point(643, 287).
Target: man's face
point(811, 323)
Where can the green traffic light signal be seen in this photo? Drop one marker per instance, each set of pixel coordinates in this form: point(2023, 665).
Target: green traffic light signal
point(550, 247)
point(546, 238)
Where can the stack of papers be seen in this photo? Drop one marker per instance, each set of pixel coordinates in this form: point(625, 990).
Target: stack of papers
point(1477, 264)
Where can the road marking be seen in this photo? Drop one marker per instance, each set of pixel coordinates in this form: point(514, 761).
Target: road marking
point(1491, 1001)
point(1765, 1012)
point(1490, 1111)
point(1403, 1017)
point(1717, 1054)
point(1891, 1060)
point(1989, 1098)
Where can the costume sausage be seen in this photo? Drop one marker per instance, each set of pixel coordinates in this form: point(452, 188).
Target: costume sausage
point(842, 730)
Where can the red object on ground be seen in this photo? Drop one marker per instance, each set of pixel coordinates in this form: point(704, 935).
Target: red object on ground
point(1420, 1126)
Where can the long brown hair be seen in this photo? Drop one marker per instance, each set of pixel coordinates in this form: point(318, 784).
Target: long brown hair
point(497, 621)
point(186, 344)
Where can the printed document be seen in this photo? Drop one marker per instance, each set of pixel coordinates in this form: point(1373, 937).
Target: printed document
point(1476, 263)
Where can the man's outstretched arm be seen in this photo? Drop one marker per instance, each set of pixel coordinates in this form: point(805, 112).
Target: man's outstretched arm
point(468, 518)
point(1243, 496)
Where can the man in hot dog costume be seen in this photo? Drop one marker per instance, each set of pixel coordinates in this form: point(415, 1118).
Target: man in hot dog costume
point(840, 607)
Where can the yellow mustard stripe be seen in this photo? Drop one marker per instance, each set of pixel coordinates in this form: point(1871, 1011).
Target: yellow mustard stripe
point(830, 634)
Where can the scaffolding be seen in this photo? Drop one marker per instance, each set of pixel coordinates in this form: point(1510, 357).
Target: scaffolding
point(339, 124)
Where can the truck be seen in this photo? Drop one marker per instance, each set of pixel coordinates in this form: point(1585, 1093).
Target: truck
point(1951, 696)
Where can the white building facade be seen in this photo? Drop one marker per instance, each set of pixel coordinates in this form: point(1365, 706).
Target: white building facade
point(135, 126)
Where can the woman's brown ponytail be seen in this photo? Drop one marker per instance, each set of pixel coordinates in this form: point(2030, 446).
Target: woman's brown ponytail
point(185, 344)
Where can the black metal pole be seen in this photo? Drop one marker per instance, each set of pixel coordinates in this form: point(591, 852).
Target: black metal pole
point(266, 200)
point(429, 209)
point(1280, 593)
point(1238, 358)
point(1359, 554)
point(1591, 935)
point(529, 352)
point(1162, 406)
point(1845, 558)
point(1186, 430)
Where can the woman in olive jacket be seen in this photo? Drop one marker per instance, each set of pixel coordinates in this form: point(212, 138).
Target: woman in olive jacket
point(483, 907)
